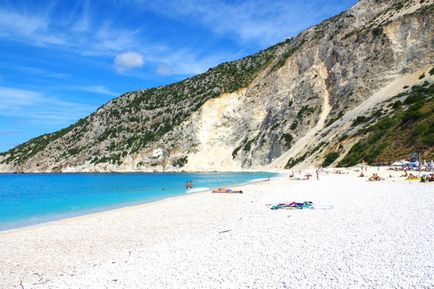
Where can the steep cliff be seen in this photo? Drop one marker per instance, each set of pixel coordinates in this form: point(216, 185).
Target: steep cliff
point(296, 103)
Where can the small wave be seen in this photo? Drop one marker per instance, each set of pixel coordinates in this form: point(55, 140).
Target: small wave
point(197, 190)
point(258, 180)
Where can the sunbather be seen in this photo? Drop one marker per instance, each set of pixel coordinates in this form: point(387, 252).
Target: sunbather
point(412, 177)
point(427, 178)
point(226, 191)
point(375, 177)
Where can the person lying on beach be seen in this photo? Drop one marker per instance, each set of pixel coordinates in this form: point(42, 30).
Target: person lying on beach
point(307, 177)
point(429, 178)
point(412, 177)
point(361, 175)
point(226, 191)
point(375, 177)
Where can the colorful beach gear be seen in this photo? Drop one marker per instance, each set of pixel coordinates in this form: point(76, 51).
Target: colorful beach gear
point(293, 205)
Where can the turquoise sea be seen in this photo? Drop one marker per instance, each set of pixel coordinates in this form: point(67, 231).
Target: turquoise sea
point(27, 199)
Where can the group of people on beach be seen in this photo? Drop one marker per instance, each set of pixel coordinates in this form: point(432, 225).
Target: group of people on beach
point(428, 178)
point(188, 185)
point(363, 173)
point(424, 178)
point(306, 176)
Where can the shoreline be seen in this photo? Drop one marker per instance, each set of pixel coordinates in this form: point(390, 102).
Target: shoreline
point(205, 240)
point(144, 172)
point(78, 214)
point(94, 211)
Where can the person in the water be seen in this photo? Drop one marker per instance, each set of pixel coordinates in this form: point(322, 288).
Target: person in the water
point(187, 185)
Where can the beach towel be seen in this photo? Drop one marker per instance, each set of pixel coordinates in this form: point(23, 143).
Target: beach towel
point(292, 205)
point(299, 206)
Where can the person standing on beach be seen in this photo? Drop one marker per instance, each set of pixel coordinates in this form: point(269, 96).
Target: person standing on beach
point(364, 166)
point(317, 174)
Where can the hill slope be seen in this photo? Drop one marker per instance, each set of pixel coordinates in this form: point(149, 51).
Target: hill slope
point(295, 103)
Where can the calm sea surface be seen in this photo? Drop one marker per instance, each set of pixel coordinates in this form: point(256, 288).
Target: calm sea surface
point(36, 198)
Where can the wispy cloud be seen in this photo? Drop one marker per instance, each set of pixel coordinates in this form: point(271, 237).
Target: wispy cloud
point(81, 34)
point(164, 69)
point(9, 132)
point(128, 60)
point(28, 27)
point(260, 21)
point(187, 61)
point(41, 72)
point(100, 89)
point(83, 22)
point(82, 30)
point(38, 108)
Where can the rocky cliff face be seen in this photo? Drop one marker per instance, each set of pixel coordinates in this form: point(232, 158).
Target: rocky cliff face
point(289, 105)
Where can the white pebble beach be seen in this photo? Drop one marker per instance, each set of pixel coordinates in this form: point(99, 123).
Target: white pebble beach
point(367, 235)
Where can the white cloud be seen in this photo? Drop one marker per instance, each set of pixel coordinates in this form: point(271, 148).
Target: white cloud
point(98, 89)
point(128, 60)
point(164, 69)
point(33, 28)
point(38, 108)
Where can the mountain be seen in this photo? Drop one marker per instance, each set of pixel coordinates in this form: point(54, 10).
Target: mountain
point(358, 86)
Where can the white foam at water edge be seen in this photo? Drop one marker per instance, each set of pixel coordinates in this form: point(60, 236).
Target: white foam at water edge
point(197, 190)
point(258, 180)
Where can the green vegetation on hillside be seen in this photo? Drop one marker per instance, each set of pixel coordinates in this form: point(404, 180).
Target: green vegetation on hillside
point(153, 112)
point(330, 158)
point(410, 128)
point(287, 139)
point(180, 162)
point(23, 152)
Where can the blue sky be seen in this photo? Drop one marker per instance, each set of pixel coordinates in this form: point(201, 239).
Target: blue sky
point(61, 60)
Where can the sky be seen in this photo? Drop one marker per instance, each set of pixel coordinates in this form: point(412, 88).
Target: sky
point(60, 60)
